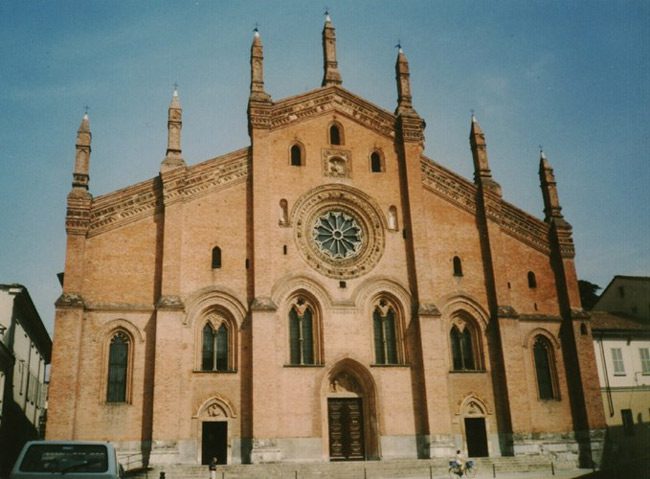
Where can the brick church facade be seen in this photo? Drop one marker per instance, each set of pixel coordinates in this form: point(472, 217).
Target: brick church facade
point(325, 293)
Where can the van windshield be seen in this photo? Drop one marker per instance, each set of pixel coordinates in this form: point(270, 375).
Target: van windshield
point(64, 458)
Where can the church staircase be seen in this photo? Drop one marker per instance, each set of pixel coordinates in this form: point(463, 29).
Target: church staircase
point(385, 469)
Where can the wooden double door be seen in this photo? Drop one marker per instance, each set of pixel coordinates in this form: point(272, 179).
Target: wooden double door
point(346, 431)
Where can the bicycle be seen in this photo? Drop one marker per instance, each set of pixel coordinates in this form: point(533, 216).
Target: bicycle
point(468, 469)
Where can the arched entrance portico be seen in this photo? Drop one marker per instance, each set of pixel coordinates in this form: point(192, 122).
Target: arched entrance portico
point(350, 419)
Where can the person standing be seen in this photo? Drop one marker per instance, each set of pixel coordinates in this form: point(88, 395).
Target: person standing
point(213, 468)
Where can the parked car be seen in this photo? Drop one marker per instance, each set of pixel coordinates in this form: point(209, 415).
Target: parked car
point(74, 459)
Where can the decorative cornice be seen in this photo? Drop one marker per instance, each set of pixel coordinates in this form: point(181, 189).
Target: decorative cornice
point(448, 185)
point(562, 232)
point(263, 303)
point(70, 301)
point(411, 127)
point(579, 314)
point(126, 307)
point(145, 199)
point(428, 309)
point(553, 318)
point(77, 218)
point(506, 311)
point(525, 227)
point(124, 206)
point(462, 193)
point(170, 303)
point(329, 99)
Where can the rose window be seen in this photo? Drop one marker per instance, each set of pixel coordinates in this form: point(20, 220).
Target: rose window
point(337, 234)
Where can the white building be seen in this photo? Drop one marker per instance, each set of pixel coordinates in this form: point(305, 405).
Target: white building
point(25, 348)
point(622, 347)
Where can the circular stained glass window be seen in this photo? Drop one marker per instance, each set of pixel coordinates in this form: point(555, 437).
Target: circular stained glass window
point(338, 235)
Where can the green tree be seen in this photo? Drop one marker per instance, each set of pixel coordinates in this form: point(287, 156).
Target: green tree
point(588, 295)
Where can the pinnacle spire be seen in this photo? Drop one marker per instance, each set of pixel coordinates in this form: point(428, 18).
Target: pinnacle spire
point(174, 156)
point(482, 172)
point(331, 74)
point(80, 176)
point(552, 208)
point(257, 69)
point(402, 76)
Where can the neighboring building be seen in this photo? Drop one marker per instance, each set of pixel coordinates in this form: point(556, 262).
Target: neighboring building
point(622, 346)
point(629, 295)
point(325, 293)
point(25, 349)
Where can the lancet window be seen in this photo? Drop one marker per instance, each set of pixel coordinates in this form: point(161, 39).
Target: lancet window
point(215, 352)
point(118, 367)
point(376, 162)
point(216, 257)
point(336, 134)
point(386, 333)
point(465, 351)
point(458, 266)
point(544, 368)
point(297, 157)
point(302, 332)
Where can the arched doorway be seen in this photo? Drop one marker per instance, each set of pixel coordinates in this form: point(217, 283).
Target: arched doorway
point(215, 421)
point(351, 413)
point(473, 412)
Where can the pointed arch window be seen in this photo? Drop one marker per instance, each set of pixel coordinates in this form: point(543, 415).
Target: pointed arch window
point(385, 326)
point(297, 157)
point(465, 350)
point(216, 257)
point(458, 266)
point(215, 352)
point(532, 280)
point(302, 333)
point(376, 162)
point(544, 368)
point(118, 367)
point(336, 134)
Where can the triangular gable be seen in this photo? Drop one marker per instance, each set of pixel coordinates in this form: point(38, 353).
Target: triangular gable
point(144, 199)
point(325, 100)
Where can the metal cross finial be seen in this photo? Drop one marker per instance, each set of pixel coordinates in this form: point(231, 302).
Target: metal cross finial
point(256, 29)
point(541, 149)
point(86, 108)
point(399, 44)
point(327, 11)
point(175, 85)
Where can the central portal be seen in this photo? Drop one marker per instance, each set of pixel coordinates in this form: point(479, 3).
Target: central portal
point(346, 432)
point(214, 442)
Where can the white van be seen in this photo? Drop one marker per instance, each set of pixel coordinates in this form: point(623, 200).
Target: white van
point(73, 459)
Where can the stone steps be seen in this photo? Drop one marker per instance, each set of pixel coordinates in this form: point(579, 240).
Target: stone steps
point(386, 469)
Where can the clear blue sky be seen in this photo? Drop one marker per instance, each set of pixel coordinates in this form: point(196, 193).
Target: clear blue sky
point(572, 76)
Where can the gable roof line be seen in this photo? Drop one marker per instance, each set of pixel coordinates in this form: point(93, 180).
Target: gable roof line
point(142, 199)
point(514, 221)
point(327, 99)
